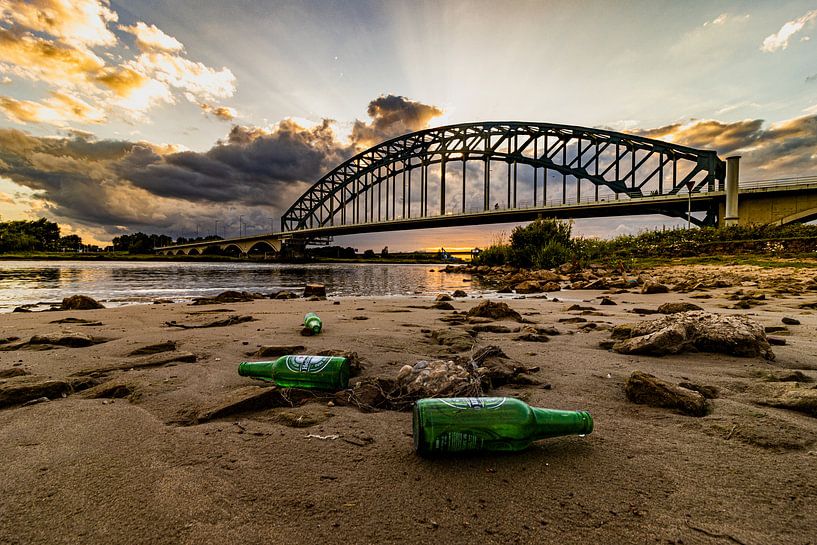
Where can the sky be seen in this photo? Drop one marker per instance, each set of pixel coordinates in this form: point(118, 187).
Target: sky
point(184, 116)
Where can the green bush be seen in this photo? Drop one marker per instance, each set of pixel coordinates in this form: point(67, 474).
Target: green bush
point(552, 254)
point(495, 255)
point(531, 243)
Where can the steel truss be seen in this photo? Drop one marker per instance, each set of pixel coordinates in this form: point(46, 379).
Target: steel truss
point(621, 166)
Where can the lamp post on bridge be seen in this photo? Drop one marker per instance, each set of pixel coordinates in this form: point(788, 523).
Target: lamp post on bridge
point(216, 228)
point(240, 226)
point(689, 204)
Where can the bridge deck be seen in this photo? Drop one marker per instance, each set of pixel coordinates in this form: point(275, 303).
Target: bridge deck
point(658, 204)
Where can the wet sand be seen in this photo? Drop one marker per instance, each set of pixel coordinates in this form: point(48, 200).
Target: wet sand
point(135, 470)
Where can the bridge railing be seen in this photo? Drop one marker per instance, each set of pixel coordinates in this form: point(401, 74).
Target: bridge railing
point(797, 180)
point(527, 205)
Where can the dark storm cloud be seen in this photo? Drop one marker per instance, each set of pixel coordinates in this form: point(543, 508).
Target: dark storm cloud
point(392, 116)
point(118, 185)
point(251, 167)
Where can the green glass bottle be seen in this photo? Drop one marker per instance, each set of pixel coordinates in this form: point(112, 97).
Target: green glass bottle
point(459, 424)
point(312, 324)
point(315, 372)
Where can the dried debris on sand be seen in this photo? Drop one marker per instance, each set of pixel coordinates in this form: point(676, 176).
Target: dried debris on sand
point(232, 320)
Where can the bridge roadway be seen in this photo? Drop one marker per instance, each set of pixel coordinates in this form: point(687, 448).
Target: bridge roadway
point(774, 201)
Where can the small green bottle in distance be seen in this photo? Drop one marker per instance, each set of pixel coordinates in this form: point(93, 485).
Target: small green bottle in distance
point(500, 424)
point(312, 324)
point(314, 372)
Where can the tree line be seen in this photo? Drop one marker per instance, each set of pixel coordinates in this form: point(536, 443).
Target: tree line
point(42, 235)
point(38, 236)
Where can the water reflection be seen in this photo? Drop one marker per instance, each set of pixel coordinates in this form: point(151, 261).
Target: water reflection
point(27, 282)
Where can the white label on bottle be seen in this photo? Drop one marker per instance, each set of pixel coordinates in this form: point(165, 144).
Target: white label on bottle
point(454, 441)
point(307, 364)
point(474, 402)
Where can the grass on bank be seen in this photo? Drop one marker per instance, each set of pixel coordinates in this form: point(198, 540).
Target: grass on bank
point(547, 243)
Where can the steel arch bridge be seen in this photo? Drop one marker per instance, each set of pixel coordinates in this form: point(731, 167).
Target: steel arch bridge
point(457, 170)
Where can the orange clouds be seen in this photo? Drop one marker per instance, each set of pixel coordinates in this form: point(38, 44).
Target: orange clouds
point(45, 60)
point(80, 23)
point(49, 42)
point(708, 134)
point(58, 107)
point(122, 81)
point(787, 148)
point(221, 112)
point(151, 38)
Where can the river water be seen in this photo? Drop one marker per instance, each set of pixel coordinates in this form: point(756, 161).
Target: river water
point(118, 283)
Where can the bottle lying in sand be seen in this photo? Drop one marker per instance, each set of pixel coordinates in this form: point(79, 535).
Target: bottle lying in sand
point(312, 324)
point(461, 424)
point(316, 372)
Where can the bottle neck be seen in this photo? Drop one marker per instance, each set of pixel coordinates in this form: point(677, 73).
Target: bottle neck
point(554, 423)
point(263, 369)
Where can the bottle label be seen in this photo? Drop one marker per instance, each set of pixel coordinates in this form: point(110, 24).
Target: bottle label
point(455, 441)
point(477, 403)
point(307, 364)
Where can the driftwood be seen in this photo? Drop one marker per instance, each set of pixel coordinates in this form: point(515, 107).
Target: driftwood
point(232, 320)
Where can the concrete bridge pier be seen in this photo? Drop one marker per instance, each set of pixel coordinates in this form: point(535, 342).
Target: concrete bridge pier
point(732, 215)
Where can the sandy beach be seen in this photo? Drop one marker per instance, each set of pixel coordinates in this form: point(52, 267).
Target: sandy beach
point(137, 464)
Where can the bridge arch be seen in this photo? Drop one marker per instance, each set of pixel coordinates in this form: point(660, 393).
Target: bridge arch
point(560, 164)
point(232, 249)
point(262, 246)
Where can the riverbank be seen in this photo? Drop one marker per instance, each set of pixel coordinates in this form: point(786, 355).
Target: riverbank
point(150, 457)
point(396, 258)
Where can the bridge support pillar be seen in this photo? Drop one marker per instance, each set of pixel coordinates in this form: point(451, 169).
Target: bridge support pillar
point(731, 216)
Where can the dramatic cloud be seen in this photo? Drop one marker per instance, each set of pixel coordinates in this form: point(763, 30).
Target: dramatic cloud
point(392, 116)
point(256, 172)
point(50, 42)
point(780, 39)
point(252, 167)
point(726, 138)
point(112, 186)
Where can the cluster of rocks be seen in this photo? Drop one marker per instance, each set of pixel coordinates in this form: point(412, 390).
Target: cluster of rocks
point(312, 292)
point(687, 398)
point(692, 331)
point(49, 341)
point(75, 302)
point(507, 279)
